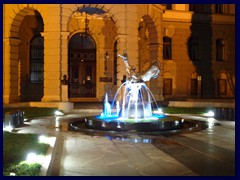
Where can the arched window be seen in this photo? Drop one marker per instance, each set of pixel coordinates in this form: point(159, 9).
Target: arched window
point(193, 48)
point(167, 48)
point(36, 59)
point(81, 41)
point(220, 50)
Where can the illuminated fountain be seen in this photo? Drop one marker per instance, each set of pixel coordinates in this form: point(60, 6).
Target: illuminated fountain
point(137, 109)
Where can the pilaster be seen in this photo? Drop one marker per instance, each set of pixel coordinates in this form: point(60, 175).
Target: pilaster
point(52, 58)
point(11, 70)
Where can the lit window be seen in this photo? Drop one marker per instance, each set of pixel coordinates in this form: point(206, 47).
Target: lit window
point(167, 48)
point(36, 59)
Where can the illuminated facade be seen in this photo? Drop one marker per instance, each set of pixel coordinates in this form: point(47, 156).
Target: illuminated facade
point(195, 44)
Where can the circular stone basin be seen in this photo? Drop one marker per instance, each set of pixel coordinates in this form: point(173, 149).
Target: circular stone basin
point(156, 123)
point(160, 124)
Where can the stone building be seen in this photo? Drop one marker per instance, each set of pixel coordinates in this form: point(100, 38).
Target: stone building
point(45, 43)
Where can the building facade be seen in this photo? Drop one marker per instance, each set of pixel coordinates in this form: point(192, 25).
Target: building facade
point(68, 52)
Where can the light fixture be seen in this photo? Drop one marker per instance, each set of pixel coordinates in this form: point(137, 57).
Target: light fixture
point(86, 32)
point(58, 113)
point(209, 114)
point(34, 158)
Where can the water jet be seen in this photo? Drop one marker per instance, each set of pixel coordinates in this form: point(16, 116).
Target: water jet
point(137, 109)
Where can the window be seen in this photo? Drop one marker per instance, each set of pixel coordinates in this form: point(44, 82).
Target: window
point(197, 8)
point(167, 48)
point(36, 59)
point(81, 41)
point(219, 8)
point(167, 86)
point(220, 50)
point(194, 87)
point(193, 48)
point(222, 87)
point(168, 6)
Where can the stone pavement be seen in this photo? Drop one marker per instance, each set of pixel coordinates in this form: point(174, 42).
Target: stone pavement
point(210, 152)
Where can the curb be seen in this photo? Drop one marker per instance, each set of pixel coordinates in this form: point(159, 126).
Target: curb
point(47, 159)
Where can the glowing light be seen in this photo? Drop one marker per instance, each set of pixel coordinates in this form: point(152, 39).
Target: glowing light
point(12, 174)
point(158, 111)
point(103, 124)
point(33, 158)
point(118, 125)
point(210, 122)
point(209, 114)
point(8, 128)
point(58, 113)
point(90, 122)
point(57, 123)
point(47, 140)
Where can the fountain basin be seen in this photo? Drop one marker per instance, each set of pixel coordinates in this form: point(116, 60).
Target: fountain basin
point(156, 123)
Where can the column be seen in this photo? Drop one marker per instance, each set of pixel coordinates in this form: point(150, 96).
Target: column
point(64, 64)
point(52, 75)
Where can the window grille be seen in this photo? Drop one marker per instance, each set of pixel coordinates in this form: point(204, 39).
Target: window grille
point(36, 59)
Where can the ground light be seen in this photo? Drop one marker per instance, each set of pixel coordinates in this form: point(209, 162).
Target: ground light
point(58, 113)
point(12, 174)
point(209, 114)
point(34, 158)
point(211, 122)
point(7, 128)
point(47, 140)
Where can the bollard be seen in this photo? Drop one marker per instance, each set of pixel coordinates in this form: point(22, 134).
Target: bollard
point(225, 113)
point(232, 114)
point(13, 119)
point(217, 113)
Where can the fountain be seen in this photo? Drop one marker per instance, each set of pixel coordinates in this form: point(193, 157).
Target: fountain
point(137, 109)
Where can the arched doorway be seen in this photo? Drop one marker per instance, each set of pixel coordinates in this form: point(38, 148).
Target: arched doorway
point(31, 56)
point(82, 66)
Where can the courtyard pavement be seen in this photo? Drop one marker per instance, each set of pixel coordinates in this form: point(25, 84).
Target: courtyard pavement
point(209, 152)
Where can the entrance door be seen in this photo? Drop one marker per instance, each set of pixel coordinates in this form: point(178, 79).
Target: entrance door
point(82, 66)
